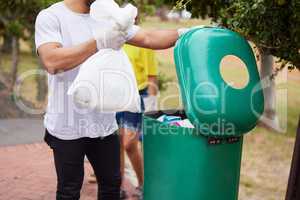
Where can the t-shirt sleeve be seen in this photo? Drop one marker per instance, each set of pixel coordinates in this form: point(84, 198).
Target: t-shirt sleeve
point(47, 29)
point(132, 32)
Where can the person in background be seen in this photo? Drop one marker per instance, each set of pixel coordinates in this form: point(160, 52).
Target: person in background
point(151, 101)
point(145, 66)
point(130, 124)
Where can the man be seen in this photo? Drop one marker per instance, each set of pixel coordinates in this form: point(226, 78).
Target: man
point(64, 40)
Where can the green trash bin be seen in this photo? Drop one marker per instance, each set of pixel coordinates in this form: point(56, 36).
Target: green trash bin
point(203, 163)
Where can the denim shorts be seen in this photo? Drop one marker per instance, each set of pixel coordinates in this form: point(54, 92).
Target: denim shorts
point(133, 121)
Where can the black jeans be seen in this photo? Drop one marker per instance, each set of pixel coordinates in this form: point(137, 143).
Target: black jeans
point(104, 156)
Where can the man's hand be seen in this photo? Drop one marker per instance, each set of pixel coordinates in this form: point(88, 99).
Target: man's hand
point(109, 39)
point(183, 31)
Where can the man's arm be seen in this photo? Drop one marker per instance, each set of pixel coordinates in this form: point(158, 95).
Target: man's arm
point(156, 39)
point(56, 59)
point(48, 41)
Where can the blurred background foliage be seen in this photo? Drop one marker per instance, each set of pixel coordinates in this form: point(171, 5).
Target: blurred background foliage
point(273, 25)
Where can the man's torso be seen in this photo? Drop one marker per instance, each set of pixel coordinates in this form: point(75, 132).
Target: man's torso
point(63, 119)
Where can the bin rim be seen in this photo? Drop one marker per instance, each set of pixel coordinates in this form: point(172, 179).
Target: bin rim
point(153, 115)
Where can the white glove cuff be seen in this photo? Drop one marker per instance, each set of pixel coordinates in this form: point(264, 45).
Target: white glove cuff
point(182, 31)
point(99, 36)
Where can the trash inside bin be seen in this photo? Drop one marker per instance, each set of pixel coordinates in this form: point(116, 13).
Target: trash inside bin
point(175, 121)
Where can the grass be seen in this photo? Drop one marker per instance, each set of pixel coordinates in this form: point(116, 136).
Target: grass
point(266, 155)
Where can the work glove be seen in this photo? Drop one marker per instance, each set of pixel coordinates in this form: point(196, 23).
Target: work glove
point(182, 31)
point(109, 39)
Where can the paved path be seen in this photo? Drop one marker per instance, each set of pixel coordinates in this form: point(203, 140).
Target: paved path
point(26, 164)
point(21, 131)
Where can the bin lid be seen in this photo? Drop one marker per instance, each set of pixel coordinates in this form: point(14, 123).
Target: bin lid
point(214, 107)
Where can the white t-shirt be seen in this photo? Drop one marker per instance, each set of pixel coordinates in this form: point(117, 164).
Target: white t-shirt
point(63, 119)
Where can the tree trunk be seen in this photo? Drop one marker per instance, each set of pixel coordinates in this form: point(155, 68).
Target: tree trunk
point(142, 6)
point(162, 13)
point(269, 118)
point(151, 2)
point(15, 61)
point(293, 190)
point(41, 87)
point(6, 46)
point(4, 82)
point(3, 78)
point(141, 9)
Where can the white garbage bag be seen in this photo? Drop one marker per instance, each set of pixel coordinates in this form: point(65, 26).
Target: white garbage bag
point(106, 80)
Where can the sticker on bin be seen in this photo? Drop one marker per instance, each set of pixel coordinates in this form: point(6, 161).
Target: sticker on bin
point(176, 121)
